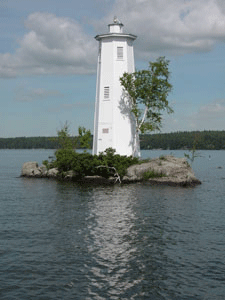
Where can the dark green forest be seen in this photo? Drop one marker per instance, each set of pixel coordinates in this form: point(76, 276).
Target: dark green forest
point(202, 140)
point(40, 142)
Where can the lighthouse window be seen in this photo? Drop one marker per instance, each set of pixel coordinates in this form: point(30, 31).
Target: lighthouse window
point(105, 130)
point(119, 52)
point(106, 92)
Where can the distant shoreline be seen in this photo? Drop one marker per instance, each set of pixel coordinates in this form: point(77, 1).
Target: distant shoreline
point(199, 140)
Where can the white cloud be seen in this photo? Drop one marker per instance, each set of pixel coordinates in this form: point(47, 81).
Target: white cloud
point(171, 27)
point(72, 106)
point(59, 45)
point(29, 95)
point(52, 45)
point(213, 110)
point(209, 116)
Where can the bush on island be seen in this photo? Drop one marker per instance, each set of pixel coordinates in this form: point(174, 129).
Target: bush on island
point(86, 164)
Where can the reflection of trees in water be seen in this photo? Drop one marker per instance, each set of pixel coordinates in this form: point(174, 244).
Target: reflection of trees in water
point(111, 240)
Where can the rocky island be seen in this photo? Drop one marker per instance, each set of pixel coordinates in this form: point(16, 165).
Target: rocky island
point(167, 170)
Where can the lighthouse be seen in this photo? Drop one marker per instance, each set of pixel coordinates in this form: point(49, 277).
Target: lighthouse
point(114, 124)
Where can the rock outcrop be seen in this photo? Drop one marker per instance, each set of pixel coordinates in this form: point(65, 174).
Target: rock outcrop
point(166, 170)
point(31, 169)
point(170, 171)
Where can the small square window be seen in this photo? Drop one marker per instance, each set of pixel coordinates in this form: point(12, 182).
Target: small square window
point(105, 130)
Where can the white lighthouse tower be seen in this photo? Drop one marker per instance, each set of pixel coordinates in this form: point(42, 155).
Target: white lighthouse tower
point(114, 126)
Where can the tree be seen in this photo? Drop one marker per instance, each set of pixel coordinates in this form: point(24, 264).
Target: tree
point(146, 92)
point(64, 139)
point(84, 137)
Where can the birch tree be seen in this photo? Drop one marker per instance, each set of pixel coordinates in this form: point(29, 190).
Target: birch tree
point(147, 92)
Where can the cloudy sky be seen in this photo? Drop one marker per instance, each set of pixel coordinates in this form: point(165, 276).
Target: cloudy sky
point(48, 59)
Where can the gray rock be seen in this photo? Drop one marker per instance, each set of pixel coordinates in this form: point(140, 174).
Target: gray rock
point(175, 171)
point(30, 169)
point(95, 179)
point(43, 169)
point(52, 172)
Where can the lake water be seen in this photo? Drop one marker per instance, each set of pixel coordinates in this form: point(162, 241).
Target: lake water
point(68, 241)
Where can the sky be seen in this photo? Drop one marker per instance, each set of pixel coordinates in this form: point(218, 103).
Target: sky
point(48, 60)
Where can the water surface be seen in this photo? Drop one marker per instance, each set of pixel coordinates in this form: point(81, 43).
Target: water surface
point(68, 241)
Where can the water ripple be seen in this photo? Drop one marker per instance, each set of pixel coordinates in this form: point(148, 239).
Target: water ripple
point(67, 241)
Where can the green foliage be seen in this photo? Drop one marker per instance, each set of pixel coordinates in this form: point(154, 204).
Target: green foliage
point(65, 141)
point(207, 140)
point(162, 157)
point(85, 164)
point(67, 159)
point(141, 161)
point(149, 89)
point(120, 162)
point(84, 138)
point(46, 163)
point(192, 152)
point(64, 159)
point(152, 174)
point(204, 140)
point(38, 142)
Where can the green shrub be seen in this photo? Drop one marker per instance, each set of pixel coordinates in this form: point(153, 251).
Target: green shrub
point(152, 174)
point(85, 164)
point(119, 162)
point(162, 157)
point(45, 163)
point(48, 164)
point(64, 159)
point(145, 160)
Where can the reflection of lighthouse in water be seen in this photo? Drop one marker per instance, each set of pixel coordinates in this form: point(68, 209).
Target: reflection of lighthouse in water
point(113, 123)
point(110, 239)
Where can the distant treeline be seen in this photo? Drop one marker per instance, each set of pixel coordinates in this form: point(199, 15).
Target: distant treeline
point(204, 140)
point(40, 142)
